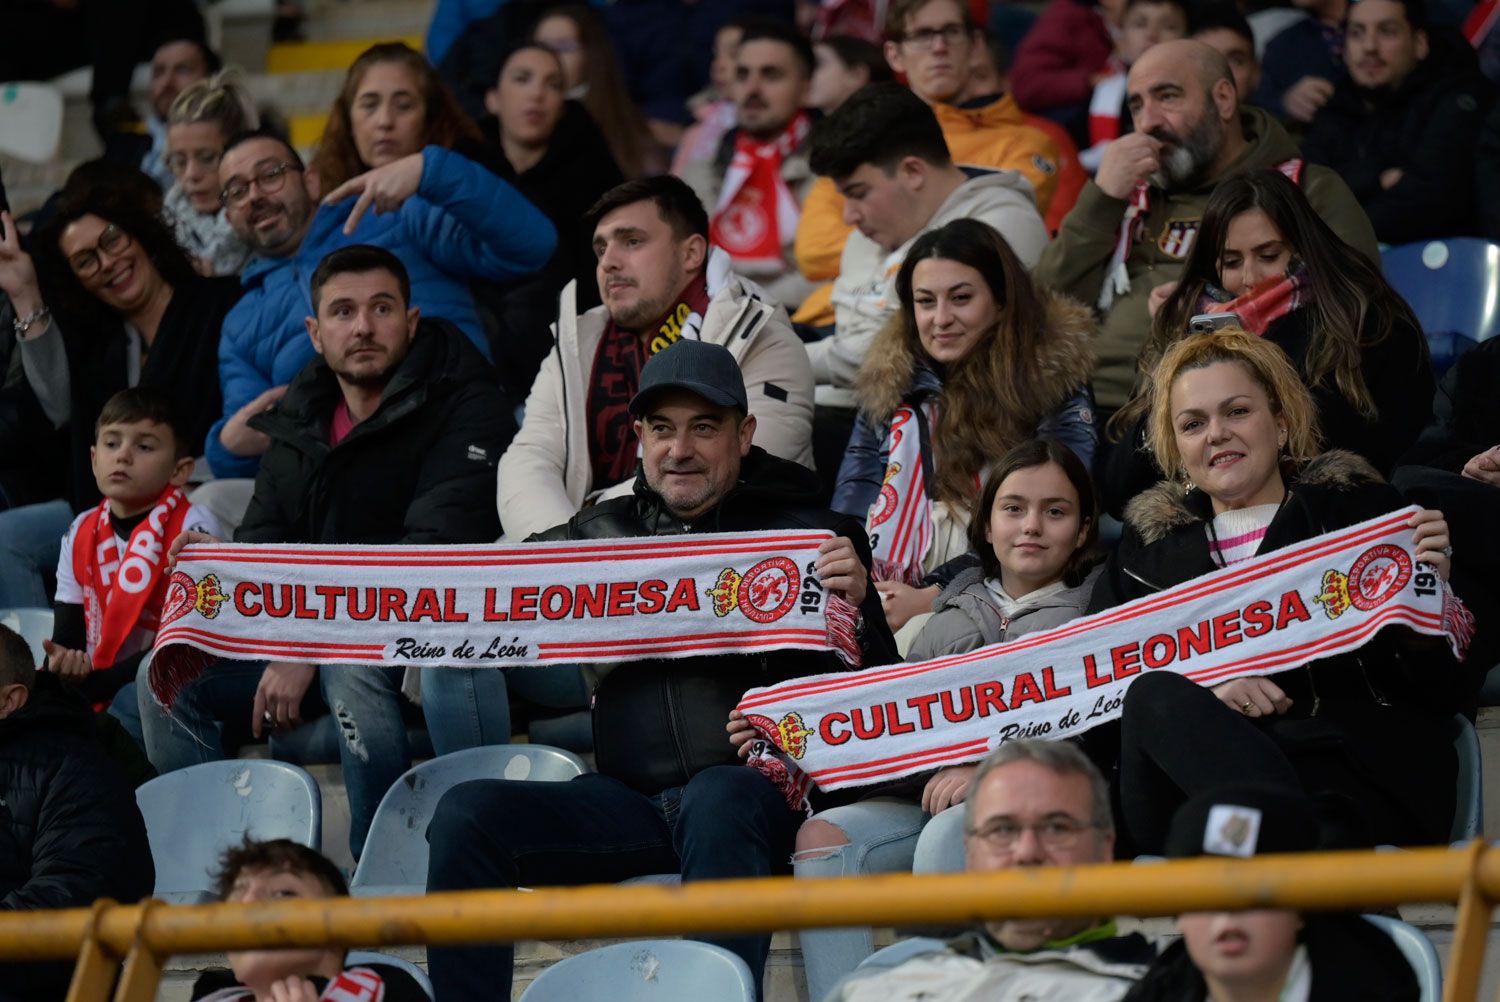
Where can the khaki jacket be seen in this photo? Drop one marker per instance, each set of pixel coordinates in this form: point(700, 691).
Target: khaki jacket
point(545, 477)
point(1077, 261)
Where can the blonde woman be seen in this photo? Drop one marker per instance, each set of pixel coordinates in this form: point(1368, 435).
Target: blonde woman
point(201, 121)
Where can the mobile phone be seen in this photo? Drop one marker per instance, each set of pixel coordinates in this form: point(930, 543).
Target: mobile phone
point(1203, 323)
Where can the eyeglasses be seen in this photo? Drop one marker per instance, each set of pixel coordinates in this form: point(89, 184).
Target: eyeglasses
point(1055, 834)
point(926, 38)
point(112, 241)
point(268, 179)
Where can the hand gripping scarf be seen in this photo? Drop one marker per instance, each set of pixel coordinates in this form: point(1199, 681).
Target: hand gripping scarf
point(1277, 611)
point(1263, 305)
point(899, 523)
point(501, 605)
point(756, 209)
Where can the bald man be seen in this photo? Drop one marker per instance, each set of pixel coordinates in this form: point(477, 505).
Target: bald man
point(1190, 132)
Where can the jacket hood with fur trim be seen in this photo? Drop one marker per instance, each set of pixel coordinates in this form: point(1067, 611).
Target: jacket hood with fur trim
point(1156, 512)
point(1066, 361)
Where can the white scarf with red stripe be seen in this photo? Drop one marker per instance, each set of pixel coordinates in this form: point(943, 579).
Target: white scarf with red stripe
point(1274, 612)
point(498, 605)
point(756, 210)
point(899, 523)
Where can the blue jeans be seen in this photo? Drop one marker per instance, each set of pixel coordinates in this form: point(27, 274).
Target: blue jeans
point(30, 541)
point(126, 708)
point(728, 821)
point(211, 718)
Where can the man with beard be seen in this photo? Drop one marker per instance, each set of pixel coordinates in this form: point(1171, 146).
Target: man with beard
point(449, 220)
point(660, 283)
point(389, 436)
point(1136, 221)
point(1403, 126)
point(755, 186)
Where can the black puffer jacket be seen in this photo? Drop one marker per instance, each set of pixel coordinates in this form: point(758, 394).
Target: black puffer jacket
point(657, 723)
point(70, 831)
point(421, 469)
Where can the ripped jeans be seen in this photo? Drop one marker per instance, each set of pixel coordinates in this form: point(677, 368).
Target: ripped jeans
point(211, 718)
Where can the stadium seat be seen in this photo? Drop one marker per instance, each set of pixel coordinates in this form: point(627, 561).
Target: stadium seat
point(665, 970)
point(355, 958)
point(193, 814)
point(1468, 817)
point(34, 626)
point(1453, 286)
point(1419, 952)
point(902, 950)
point(31, 120)
point(394, 860)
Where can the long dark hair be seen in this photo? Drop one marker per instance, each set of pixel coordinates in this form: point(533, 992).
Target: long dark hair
point(444, 121)
point(992, 397)
point(607, 99)
point(1028, 455)
point(1352, 308)
point(61, 287)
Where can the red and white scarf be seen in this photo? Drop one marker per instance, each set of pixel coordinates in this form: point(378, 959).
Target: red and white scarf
point(499, 605)
point(124, 592)
point(756, 210)
point(1117, 274)
point(899, 523)
point(357, 984)
point(1106, 104)
point(1263, 305)
point(1322, 597)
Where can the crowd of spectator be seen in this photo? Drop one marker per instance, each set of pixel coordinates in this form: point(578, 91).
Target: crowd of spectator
point(1099, 299)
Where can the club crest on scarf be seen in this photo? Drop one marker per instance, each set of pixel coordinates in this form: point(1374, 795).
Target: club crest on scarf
point(1178, 236)
point(764, 594)
point(756, 209)
point(789, 734)
point(1376, 576)
point(185, 595)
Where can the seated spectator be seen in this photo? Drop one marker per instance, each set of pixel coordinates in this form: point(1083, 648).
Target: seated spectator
point(592, 74)
point(281, 870)
point(1035, 541)
point(1303, 61)
point(1267, 953)
point(554, 154)
point(660, 283)
point(677, 801)
point(1031, 803)
point(111, 576)
point(1064, 56)
point(385, 393)
point(885, 153)
point(450, 221)
point(1144, 24)
point(843, 65)
point(70, 832)
point(112, 302)
point(179, 61)
point(1265, 256)
point(1222, 26)
point(1137, 220)
point(976, 361)
point(754, 187)
point(712, 108)
point(1401, 128)
point(1324, 726)
point(392, 105)
point(203, 118)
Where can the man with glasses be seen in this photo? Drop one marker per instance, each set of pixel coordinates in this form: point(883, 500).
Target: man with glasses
point(448, 220)
point(1033, 803)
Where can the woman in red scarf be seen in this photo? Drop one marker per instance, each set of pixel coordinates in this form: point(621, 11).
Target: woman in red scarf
point(1263, 253)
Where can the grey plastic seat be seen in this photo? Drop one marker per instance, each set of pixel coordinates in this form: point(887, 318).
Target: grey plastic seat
point(34, 626)
point(903, 950)
point(665, 970)
point(394, 860)
point(193, 814)
point(1419, 952)
point(356, 958)
point(1468, 815)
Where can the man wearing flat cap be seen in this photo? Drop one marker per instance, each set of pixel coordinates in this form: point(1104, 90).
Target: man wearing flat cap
point(670, 795)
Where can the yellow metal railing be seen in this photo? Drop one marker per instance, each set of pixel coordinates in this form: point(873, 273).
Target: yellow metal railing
point(145, 935)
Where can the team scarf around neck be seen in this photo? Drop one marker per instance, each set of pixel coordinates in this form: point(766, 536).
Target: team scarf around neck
point(756, 209)
point(1263, 305)
point(899, 523)
point(123, 592)
point(1117, 274)
point(498, 605)
point(1274, 612)
point(357, 984)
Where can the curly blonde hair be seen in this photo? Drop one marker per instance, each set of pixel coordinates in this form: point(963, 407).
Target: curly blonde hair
point(1269, 366)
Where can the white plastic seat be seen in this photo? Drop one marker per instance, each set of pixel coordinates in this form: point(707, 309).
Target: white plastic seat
point(666, 970)
point(1418, 951)
point(357, 958)
point(31, 120)
point(194, 814)
point(34, 626)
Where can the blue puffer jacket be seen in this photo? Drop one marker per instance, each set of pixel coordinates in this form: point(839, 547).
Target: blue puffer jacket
point(463, 224)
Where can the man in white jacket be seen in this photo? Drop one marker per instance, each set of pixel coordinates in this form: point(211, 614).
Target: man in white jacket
point(885, 151)
point(660, 281)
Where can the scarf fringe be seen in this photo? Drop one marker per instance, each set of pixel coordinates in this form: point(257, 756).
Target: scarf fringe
point(1458, 623)
point(842, 637)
